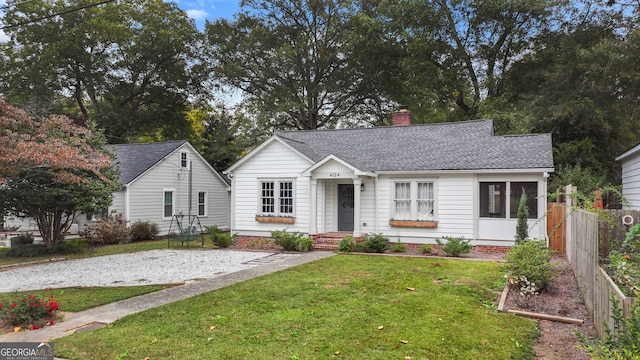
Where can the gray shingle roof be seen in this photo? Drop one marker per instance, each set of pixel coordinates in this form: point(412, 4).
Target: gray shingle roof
point(464, 145)
point(135, 159)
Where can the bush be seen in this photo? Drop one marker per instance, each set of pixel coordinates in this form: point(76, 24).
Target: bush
point(374, 244)
point(220, 238)
point(425, 248)
point(110, 229)
point(143, 230)
point(455, 246)
point(528, 265)
point(29, 312)
point(398, 247)
point(622, 342)
point(21, 239)
point(35, 250)
point(347, 245)
point(293, 241)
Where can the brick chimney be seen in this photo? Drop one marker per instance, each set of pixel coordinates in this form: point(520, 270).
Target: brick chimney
point(401, 117)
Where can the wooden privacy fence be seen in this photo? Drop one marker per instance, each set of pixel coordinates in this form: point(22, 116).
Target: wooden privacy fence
point(596, 286)
point(614, 229)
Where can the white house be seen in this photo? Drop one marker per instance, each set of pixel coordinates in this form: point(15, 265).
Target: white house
point(630, 161)
point(414, 183)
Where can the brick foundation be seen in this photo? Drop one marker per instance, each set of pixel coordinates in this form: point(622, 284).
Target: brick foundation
point(491, 249)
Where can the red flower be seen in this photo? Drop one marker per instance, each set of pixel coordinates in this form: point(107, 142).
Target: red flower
point(627, 257)
point(14, 305)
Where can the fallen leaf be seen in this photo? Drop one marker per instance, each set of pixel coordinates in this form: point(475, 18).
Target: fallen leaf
point(411, 289)
point(212, 327)
point(16, 329)
point(380, 327)
point(404, 341)
point(407, 358)
point(336, 353)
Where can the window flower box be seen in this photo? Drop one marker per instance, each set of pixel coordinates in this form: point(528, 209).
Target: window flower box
point(414, 223)
point(276, 219)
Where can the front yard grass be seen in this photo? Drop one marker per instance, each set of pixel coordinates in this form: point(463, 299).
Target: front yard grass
point(349, 306)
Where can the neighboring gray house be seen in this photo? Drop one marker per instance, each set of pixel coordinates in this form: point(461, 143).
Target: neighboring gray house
point(630, 161)
point(414, 183)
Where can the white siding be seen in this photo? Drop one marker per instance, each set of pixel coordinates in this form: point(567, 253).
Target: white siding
point(454, 209)
point(274, 161)
point(631, 180)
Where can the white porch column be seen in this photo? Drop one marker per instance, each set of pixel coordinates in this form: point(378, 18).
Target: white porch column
point(356, 207)
point(313, 213)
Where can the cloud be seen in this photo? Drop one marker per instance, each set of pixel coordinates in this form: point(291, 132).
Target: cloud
point(3, 37)
point(196, 14)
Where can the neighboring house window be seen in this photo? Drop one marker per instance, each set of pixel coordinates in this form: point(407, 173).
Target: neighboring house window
point(414, 200)
point(168, 203)
point(493, 199)
point(184, 160)
point(276, 197)
point(202, 203)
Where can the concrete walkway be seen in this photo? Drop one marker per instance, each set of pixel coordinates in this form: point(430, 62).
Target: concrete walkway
point(102, 315)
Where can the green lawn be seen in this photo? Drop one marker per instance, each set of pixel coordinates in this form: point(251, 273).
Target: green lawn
point(348, 306)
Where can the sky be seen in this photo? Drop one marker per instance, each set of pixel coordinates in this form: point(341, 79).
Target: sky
point(198, 10)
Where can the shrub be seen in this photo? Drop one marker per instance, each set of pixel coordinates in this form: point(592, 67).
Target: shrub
point(110, 229)
point(374, 244)
point(522, 227)
point(29, 311)
point(35, 250)
point(398, 247)
point(624, 272)
point(21, 239)
point(425, 248)
point(455, 246)
point(143, 230)
point(622, 342)
point(291, 241)
point(220, 238)
point(347, 244)
point(531, 261)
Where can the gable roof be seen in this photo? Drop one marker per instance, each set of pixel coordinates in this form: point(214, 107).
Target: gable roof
point(135, 159)
point(628, 153)
point(463, 145)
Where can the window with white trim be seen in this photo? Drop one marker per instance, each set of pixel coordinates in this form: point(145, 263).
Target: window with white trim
point(276, 198)
point(202, 203)
point(184, 160)
point(168, 203)
point(414, 200)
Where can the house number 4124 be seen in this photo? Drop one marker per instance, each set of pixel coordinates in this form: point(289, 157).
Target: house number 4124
point(335, 174)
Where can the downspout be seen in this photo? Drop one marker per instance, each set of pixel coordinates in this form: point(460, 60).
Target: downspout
point(126, 203)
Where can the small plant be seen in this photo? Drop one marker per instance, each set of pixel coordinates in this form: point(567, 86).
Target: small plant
point(110, 229)
point(624, 272)
point(373, 244)
point(398, 247)
point(426, 248)
point(619, 343)
point(35, 250)
point(522, 227)
point(347, 244)
point(220, 238)
point(455, 246)
point(144, 230)
point(29, 312)
point(21, 239)
point(293, 241)
point(531, 260)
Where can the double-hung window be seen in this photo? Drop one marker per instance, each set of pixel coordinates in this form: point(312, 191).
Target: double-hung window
point(494, 202)
point(276, 198)
point(168, 203)
point(184, 160)
point(202, 203)
point(414, 200)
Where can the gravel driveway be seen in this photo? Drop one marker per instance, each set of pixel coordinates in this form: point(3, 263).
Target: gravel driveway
point(141, 268)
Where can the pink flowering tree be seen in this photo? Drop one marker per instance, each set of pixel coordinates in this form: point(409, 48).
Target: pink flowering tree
point(51, 170)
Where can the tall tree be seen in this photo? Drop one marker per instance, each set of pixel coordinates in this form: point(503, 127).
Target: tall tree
point(51, 169)
point(293, 62)
point(125, 65)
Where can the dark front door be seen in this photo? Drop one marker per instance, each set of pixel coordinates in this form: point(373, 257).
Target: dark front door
point(345, 207)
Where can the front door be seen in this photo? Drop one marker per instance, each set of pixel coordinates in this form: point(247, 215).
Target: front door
point(345, 207)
